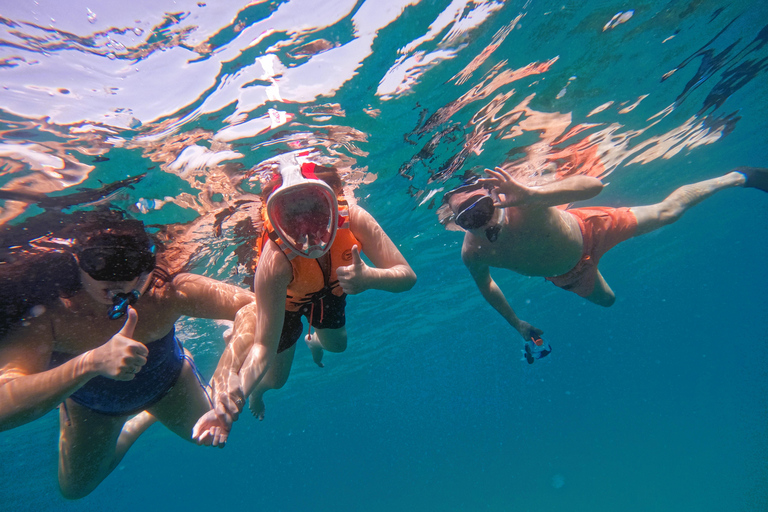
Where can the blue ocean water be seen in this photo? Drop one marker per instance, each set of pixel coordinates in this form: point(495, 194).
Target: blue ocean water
point(657, 403)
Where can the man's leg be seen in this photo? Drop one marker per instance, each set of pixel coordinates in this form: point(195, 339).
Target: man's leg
point(652, 217)
point(602, 295)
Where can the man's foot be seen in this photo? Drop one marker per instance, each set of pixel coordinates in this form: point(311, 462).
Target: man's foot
point(256, 405)
point(757, 177)
point(316, 348)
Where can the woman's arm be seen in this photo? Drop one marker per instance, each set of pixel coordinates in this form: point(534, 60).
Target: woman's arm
point(202, 297)
point(28, 390)
point(391, 272)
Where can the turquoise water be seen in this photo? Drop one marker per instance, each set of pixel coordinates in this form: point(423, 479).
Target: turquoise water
point(657, 403)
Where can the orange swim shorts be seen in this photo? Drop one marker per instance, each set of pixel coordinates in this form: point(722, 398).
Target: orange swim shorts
point(601, 229)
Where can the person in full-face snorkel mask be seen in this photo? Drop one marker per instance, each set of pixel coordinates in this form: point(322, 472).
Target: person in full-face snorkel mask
point(88, 318)
point(309, 260)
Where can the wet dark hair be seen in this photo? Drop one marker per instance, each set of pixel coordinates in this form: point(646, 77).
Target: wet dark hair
point(37, 258)
point(34, 277)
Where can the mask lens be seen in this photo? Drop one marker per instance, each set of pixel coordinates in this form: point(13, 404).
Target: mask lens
point(477, 214)
point(304, 219)
point(115, 263)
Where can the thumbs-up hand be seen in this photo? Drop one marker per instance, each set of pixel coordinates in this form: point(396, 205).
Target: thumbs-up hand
point(121, 357)
point(354, 278)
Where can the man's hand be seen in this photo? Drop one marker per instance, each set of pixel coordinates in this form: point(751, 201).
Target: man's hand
point(121, 357)
point(353, 278)
point(529, 332)
point(514, 192)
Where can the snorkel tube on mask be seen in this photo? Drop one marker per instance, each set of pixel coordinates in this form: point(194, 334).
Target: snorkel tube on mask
point(304, 210)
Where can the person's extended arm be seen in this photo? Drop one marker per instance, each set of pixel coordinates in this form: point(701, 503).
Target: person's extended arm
point(514, 193)
point(249, 353)
point(493, 295)
point(202, 297)
point(391, 272)
point(28, 390)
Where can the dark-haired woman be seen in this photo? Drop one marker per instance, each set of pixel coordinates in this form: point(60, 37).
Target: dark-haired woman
point(61, 344)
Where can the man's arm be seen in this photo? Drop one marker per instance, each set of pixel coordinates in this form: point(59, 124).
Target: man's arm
point(493, 295)
point(391, 272)
point(514, 193)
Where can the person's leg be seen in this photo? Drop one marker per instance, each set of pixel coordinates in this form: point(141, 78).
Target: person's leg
point(652, 217)
point(602, 295)
point(332, 340)
point(87, 449)
point(133, 428)
point(275, 378)
point(183, 405)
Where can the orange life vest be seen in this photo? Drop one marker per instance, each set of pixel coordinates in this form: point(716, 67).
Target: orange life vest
point(310, 279)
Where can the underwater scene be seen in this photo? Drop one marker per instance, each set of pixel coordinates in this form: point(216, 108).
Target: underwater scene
point(176, 113)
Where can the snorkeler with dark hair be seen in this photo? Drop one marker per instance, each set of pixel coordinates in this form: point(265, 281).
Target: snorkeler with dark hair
point(516, 227)
point(309, 261)
point(60, 342)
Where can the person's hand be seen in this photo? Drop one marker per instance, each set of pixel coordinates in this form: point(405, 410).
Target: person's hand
point(211, 430)
point(230, 400)
point(529, 332)
point(121, 357)
point(354, 278)
point(514, 192)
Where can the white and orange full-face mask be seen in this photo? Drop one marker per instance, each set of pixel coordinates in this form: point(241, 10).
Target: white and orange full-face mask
point(304, 210)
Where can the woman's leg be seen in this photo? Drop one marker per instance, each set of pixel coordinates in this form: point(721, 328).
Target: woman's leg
point(184, 404)
point(87, 448)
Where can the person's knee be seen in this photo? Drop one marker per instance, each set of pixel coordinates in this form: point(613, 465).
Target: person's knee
point(606, 301)
point(334, 341)
point(669, 212)
point(602, 295)
point(71, 490)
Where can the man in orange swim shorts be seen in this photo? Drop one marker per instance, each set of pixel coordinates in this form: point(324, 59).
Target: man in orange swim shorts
point(510, 225)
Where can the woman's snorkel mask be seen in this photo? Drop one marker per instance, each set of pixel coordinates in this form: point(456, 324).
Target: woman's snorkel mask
point(304, 210)
point(118, 258)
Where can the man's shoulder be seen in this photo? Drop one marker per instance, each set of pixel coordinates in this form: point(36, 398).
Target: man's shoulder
point(472, 250)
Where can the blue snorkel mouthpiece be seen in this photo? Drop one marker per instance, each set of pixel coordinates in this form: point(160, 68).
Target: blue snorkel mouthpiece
point(121, 301)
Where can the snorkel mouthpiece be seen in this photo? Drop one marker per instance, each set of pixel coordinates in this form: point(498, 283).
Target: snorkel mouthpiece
point(304, 210)
point(121, 301)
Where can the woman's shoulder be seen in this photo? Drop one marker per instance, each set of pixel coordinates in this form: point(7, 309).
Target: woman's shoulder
point(33, 331)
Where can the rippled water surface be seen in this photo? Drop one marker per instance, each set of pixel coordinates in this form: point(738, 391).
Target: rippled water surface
point(657, 403)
